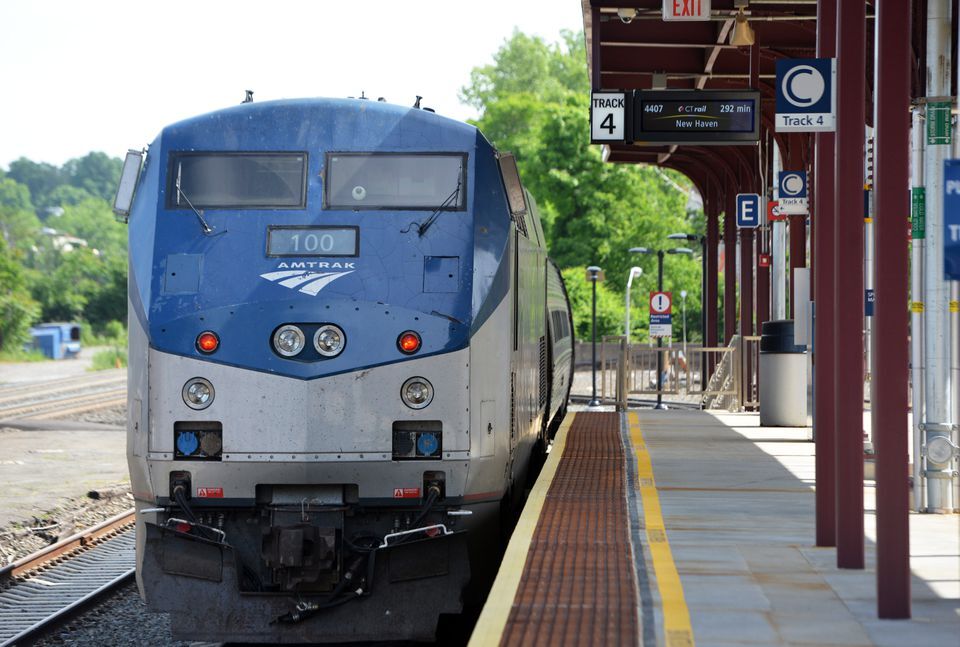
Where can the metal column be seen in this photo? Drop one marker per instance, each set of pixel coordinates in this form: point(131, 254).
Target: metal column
point(936, 290)
point(713, 242)
point(746, 282)
point(730, 265)
point(778, 250)
point(848, 295)
point(916, 305)
point(890, 329)
point(824, 364)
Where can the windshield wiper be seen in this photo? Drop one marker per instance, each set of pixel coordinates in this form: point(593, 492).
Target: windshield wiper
point(451, 199)
point(207, 229)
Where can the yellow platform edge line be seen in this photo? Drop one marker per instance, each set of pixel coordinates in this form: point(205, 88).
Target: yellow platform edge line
point(493, 618)
point(676, 615)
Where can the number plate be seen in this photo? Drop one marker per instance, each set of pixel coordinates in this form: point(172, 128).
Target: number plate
point(313, 241)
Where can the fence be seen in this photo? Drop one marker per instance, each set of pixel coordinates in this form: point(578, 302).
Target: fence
point(724, 377)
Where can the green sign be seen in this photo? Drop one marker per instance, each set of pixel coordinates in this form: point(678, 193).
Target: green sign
point(938, 123)
point(918, 212)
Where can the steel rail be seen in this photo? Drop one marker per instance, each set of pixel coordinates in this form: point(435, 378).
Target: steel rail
point(46, 388)
point(54, 405)
point(59, 579)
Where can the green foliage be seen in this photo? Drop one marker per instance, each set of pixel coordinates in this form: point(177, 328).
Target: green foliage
point(107, 359)
point(609, 306)
point(41, 178)
point(17, 309)
point(18, 354)
point(92, 219)
point(96, 173)
point(534, 100)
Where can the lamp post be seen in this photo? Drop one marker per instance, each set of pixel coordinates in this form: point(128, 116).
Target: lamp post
point(683, 315)
point(594, 274)
point(634, 272)
point(660, 254)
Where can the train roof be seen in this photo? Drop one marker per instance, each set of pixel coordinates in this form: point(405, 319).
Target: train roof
point(328, 120)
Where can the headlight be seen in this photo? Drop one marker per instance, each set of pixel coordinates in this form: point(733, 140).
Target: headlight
point(288, 340)
point(416, 392)
point(198, 393)
point(329, 340)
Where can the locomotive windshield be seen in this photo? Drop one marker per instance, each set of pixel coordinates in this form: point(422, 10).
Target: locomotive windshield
point(237, 180)
point(423, 181)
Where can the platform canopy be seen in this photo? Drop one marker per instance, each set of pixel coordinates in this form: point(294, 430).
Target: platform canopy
point(630, 46)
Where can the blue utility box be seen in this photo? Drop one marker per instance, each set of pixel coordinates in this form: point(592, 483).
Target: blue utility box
point(56, 340)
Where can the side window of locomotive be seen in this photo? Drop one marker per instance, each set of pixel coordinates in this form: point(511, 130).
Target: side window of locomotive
point(237, 180)
point(416, 181)
point(515, 193)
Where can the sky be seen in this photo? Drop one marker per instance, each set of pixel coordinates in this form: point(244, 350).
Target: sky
point(107, 76)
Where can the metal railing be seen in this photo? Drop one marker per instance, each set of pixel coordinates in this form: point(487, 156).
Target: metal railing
point(722, 377)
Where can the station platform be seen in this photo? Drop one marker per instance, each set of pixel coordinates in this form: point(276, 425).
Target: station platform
point(685, 528)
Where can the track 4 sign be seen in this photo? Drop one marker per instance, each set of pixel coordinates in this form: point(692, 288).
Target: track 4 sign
point(608, 117)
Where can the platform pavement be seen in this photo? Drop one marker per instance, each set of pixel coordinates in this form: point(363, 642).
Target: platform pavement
point(738, 507)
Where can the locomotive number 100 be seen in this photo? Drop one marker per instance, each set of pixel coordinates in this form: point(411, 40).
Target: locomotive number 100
point(312, 241)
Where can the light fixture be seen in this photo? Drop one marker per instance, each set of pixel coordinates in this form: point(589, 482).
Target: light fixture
point(743, 35)
point(417, 392)
point(408, 342)
point(198, 393)
point(207, 342)
point(627, 14)
point(288, 340)
point(329, 340)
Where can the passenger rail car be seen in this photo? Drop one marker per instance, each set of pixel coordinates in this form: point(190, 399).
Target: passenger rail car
point(347, 348)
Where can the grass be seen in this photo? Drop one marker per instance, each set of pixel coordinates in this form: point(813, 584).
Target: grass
point(110, 358)
point(20, 355)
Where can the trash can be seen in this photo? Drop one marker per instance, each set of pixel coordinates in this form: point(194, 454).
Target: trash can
point(783, 377)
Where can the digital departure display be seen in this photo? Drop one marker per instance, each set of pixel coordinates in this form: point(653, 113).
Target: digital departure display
point(313, 241)
point(704, 117)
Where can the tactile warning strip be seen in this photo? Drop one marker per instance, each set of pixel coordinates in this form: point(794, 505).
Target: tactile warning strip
point(578, 585)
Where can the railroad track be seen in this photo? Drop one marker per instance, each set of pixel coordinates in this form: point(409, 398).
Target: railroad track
point(63, 577)
point(63, 397)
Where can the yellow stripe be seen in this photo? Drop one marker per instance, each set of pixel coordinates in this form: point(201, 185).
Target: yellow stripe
point(676, 616)
point(493, 618)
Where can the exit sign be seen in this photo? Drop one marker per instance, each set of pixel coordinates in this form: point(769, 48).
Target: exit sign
point(686, 9)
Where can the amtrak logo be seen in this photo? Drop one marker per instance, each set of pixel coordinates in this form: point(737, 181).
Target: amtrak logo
point(307, 282)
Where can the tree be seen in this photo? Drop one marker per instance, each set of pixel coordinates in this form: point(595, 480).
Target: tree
point(19, 226)
point(534, 101)
point(17, 309)
point(41, 178)
point(96, 173)
point(92, 220)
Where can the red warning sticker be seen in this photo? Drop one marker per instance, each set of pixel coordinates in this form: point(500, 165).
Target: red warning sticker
point(406, 493)
point(209, 492)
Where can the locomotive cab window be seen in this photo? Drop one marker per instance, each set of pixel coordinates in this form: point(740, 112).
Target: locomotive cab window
point(419, 181)
point(237, 181)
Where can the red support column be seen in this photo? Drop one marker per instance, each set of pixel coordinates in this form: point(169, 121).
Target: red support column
point(713, 243)
point(730, 265)
point(824, 364)
point(890, 322)
point(746, 282)
point(848, 295)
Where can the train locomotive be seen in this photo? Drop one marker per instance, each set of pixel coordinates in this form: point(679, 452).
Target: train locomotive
point(348, 350)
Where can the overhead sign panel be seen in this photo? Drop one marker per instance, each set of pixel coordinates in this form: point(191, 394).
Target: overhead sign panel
point(748, 210)
point(686, 10)
point(608, 117)
point(792, 189)
point(951, 219)
point(696, 117)
point(806, 95)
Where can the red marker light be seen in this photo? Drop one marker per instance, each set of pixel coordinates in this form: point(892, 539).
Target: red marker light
point(207, 342)
point(408, 342)
point(183, 527)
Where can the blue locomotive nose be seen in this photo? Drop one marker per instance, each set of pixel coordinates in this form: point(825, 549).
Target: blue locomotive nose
point(427, 444)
